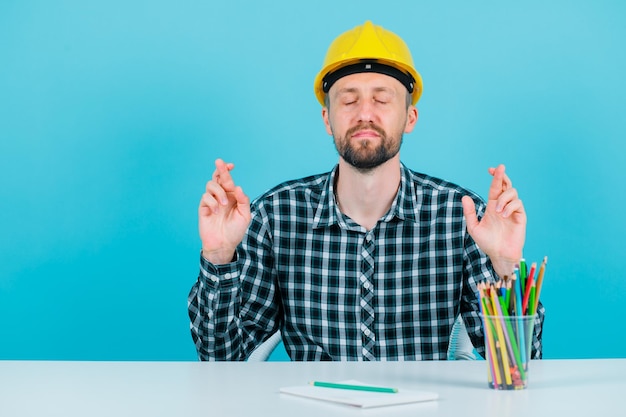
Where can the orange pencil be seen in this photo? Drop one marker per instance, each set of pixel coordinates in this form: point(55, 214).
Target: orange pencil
point(485, 299)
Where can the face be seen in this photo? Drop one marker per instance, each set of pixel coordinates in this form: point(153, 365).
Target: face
point(367, 117)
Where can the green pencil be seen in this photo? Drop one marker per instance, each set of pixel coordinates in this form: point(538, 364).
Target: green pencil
point(522, 274)
point(353, 387)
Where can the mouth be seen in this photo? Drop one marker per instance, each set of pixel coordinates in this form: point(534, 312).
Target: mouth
point(365, 134)
point(365, 131)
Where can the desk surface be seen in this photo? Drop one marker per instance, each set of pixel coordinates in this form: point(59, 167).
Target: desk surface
point(556, 387)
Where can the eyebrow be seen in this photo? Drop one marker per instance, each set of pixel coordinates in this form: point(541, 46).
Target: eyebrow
point(347, 90)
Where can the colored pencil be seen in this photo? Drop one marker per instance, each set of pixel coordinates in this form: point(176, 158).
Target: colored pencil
point(354, 387)
point(522, 274)
point(501, 342)
point(507, 296)
point(518, 311)
point(542, 270)
point(529, 283)
point(493, 359)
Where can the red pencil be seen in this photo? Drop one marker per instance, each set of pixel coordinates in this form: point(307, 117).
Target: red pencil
point(529, 283)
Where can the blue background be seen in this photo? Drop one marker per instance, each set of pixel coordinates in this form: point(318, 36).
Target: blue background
point(112, 113)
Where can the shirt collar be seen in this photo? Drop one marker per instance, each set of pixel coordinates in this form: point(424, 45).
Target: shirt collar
point(404, 206)
point(327, 211)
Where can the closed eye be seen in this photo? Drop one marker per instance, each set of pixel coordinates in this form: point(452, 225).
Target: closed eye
point(382, 98)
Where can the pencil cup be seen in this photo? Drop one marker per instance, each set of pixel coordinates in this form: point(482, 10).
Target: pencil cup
point(508, 341)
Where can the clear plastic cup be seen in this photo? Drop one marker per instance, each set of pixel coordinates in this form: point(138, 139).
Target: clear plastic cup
point(508, 341)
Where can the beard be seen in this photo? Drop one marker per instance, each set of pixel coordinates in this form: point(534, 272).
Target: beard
point(365, 155)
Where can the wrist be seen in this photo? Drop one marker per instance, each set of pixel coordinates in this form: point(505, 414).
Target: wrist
point(220, 256)
point(504, 266)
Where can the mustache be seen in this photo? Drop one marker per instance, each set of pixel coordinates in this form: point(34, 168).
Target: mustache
point(365, 126)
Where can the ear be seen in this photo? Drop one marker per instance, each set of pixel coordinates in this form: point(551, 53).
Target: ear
point(411, 119)
point(325, 115)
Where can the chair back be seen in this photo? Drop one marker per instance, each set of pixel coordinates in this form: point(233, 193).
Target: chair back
point(460, 348)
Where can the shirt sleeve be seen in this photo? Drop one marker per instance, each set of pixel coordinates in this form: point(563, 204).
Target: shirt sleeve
point(212, 303)
point(232, 307)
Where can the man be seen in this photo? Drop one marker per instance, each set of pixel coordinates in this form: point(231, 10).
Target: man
point(371, 261)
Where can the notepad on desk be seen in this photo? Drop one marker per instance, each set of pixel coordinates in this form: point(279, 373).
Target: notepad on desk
point(358, 397)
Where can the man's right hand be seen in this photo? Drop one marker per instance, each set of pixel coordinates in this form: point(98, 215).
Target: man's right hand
point(223, 215)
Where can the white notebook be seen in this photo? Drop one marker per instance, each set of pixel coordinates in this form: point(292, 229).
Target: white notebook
point(363, 399)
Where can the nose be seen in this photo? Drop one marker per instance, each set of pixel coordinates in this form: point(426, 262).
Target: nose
point(365, 111)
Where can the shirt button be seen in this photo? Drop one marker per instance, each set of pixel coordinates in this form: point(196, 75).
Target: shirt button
point(366, 285)
point(368, 238)
point(367, 332)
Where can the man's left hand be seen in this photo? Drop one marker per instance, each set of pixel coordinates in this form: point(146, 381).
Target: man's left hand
point(501, 231)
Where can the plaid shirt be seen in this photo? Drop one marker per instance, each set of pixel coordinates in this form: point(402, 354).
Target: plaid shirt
point(340, 292)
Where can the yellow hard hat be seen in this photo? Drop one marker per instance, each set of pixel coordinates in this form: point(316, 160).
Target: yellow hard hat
point(368, 48)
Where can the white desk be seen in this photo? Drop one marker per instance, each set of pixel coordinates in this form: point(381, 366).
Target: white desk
point(68, 389)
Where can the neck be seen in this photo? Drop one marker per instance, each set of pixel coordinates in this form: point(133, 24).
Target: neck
point(366, 196)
